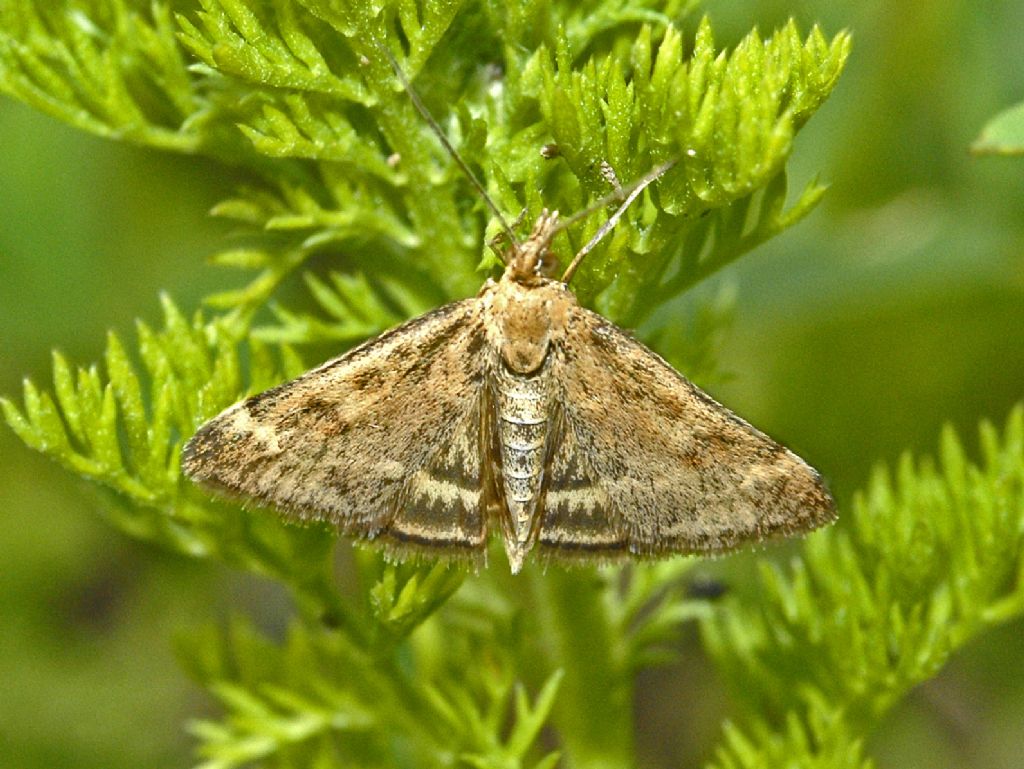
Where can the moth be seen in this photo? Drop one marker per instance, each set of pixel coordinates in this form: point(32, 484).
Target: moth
point(517, 411)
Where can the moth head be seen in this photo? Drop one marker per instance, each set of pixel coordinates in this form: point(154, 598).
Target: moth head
point(532, 259)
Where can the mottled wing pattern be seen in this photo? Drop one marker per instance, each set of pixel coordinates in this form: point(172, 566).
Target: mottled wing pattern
point(381, 442)
point(669, 469)
point(444, 504)
point(578, 519)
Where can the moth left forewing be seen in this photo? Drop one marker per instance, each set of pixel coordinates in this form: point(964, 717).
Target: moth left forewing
point(681, 472)
point(442, 508)
point(366, 440)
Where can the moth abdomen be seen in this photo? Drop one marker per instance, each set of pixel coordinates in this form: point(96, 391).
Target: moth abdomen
point(523, 406)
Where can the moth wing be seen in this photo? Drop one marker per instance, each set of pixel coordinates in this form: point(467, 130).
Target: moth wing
point(444, 504)
point(667, 467)
point(578, 519)
point(382, 441)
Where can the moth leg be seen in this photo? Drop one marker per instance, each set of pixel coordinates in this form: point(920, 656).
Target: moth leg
point(502, 240)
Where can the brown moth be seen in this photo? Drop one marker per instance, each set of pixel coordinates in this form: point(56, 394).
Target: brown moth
point(519, 411)
point(516, 410)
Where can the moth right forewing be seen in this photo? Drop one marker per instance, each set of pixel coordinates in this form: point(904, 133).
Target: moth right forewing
point(684, 472)
point(340, 442)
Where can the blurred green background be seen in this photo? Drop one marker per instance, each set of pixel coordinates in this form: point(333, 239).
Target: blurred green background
point(897, 306)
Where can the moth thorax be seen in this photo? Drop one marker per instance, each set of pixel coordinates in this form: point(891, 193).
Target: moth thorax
point(525, 322)
point(523, 411)
point(525, 345)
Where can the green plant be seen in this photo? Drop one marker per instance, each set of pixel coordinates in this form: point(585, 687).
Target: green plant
point(425, 665)
point(1003, 134)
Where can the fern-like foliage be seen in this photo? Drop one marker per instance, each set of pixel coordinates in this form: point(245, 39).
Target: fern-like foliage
point(125, 432)
point(307, 84)
point(931, 558)
point(421, 665)
point(115, 69)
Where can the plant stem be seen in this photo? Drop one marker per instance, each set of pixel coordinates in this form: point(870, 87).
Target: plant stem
point(593, 711)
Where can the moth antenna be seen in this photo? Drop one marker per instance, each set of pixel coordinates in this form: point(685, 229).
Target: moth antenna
point(425, 114)
point(632, 192)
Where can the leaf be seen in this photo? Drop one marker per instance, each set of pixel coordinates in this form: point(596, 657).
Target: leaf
point(1002, 134)
point(531, 719)
point(931, 557)
point(118, 74)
